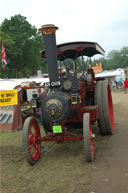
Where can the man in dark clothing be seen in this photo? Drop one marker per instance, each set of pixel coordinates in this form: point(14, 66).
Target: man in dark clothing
point(41, 96)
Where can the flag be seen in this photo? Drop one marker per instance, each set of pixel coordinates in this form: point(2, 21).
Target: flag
point(4, 62)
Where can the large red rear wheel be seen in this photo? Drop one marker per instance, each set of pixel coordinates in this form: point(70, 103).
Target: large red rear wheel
point(108, 107)
point(31, 140)
point(104, 101)
point(88, 137)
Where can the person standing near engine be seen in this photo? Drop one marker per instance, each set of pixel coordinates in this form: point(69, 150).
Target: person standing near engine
point(125, 86)
point(41, 96)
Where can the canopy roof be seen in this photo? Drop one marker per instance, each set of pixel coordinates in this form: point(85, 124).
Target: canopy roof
point(74, 49)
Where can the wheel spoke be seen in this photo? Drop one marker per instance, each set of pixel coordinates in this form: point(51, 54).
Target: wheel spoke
point(35, 146)
point(31, 140)
point(36, 151)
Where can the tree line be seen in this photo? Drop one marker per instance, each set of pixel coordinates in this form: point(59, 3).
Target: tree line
point(115, 59)
point(23, 44)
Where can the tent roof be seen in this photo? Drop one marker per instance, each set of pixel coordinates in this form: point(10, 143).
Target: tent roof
point(10, 84)
point(108, 74)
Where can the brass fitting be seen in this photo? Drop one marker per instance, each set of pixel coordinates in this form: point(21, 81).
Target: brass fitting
point(48, 29)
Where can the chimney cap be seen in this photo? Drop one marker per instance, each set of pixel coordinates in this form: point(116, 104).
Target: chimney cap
point(48, 29)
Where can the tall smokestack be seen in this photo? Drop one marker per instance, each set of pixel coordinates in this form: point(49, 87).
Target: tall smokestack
point(48, 32)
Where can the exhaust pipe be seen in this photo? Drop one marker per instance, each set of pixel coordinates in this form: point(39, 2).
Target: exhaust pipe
point(48, 32)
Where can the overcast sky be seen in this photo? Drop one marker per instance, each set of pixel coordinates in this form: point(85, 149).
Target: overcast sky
point(101, 21)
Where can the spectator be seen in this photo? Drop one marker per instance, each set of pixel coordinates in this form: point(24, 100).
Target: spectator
point(41, 96)
point(125, 86)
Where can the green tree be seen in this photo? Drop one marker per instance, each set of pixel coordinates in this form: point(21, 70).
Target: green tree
point(118, 58)
point(124, 57)
point(23, 53)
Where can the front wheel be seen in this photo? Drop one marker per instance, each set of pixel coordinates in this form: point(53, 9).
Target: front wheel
point(88, 137)
point(31, 140)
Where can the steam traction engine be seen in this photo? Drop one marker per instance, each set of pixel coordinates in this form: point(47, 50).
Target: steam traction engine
point(76, 98)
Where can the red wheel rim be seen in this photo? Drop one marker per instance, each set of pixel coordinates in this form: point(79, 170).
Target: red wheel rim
point(110, 108)
point(91, 140)
point(34, 140)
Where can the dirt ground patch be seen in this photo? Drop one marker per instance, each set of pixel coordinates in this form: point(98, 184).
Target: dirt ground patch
point(63, 168)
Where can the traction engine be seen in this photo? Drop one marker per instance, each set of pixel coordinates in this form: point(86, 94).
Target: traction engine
point(76, 99)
